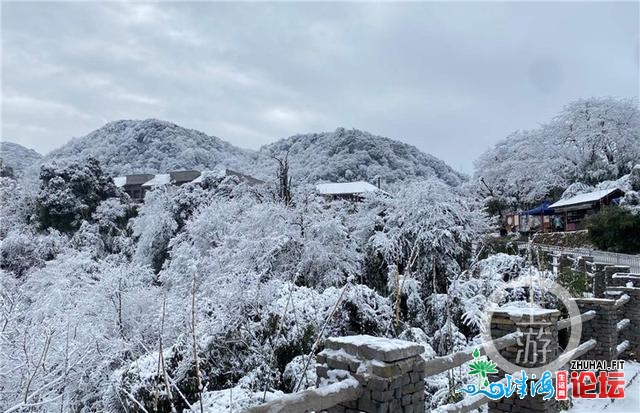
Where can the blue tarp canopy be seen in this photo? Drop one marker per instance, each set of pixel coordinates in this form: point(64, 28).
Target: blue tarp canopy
point(542, 209)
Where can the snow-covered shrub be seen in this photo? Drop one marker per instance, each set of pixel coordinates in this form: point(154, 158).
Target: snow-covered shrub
point(142, 385)
point(16, 205)
point(111, 219)
point(417, 335)
point(615, 229)
point(469, 291)
point(364, 311)
point(24, 250)
point(631, 201)
point(153, 227)
point(85, 319)
point(634, 178)
point(427, 230)
point(299, 374)
point(69, 195)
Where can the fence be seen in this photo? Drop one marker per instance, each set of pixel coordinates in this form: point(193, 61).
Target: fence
point(369, 374)
point(612, 258)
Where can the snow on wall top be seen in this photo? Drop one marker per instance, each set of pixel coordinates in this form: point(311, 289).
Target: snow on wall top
point(375, 348)
point(522, 311)
point(336, 188)
point(584, 198)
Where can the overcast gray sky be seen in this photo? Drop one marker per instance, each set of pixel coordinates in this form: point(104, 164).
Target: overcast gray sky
point(449, 78)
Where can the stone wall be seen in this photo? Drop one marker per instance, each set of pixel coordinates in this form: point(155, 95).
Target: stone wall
point(595, 270)
point(391, 373)
point(610, 270)
point(630, 331)
point(602, 328)
point(538, 346)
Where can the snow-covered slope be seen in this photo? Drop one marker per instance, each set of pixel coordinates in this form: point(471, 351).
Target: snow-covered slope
point(129, 146)
point(354, 155)
point(17, 157)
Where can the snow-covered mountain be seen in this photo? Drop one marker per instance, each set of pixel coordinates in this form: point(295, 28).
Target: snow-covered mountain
point(17, 157)
point(354, 155)
point(130, 146)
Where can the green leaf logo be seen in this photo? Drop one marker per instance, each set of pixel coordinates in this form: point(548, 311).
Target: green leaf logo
point(481, 368)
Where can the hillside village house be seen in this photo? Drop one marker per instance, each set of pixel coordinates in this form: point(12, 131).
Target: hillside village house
point(137, 185)
point(571, 212)
point(132, 184)
point(576, 209)
point(350, 191)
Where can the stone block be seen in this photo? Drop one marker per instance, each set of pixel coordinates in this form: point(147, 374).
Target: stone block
point(382, 396)
point(375, 348)
point(406, 400)
point(416, 377)
point(378, 384)
point(382, 408)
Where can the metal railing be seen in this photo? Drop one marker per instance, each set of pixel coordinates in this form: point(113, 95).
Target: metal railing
point(606, 257)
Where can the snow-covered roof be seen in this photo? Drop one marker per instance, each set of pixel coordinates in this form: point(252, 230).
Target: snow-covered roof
point(206, 174)
point(120, 181)
point(584, 198)
point(159, 179)
point(335, 188)
point(181, 177)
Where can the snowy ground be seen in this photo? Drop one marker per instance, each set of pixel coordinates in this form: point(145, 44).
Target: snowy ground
point(630, 404)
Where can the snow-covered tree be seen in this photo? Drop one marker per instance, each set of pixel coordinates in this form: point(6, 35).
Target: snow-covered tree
point(589, 141)
point(599, 137)
point(68, 326)
point(70, 195)
point(154, 227)
point(427, 230)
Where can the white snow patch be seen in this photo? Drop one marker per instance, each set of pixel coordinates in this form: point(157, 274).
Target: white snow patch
point(335, 188)
point(120, 181)
point(235, 399)
point(376, 343)
point(622, 324)
point(219, 173)
point(521, 311)
point(158, 180)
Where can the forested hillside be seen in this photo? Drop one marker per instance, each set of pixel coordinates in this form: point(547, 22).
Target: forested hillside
point(149, 146)
point(16, 159)
point(153, 146)
point(353, 155)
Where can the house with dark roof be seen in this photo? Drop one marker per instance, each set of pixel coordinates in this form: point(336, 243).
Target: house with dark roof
point(250, 180)
point(137, 185)
point(132, 184)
